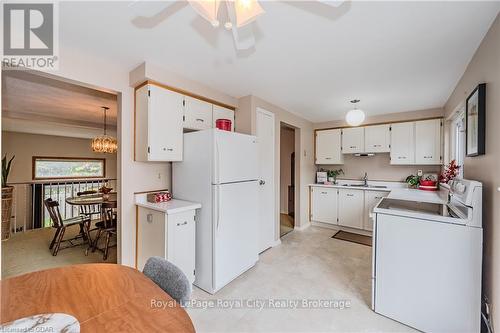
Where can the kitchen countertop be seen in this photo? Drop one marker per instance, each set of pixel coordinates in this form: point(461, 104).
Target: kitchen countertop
point(170, 207)
point(398, 190)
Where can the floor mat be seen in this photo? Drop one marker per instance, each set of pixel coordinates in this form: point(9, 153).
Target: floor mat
point(354, 238)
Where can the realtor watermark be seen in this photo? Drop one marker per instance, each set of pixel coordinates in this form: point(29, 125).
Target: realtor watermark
point(30, 35)
point(254, 303)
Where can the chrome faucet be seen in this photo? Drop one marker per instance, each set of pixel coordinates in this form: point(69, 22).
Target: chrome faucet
point(365, 179)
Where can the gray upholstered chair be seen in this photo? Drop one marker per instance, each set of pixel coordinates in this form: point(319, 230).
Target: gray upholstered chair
point(169, 278)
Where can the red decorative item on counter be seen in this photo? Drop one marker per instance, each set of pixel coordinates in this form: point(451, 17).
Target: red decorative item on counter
point(223, 124)
point(159, 197)
point(428, 185)
point(450, 172)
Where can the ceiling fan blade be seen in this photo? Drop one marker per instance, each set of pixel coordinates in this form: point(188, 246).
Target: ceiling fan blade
point(243, 36)
point(149, 14)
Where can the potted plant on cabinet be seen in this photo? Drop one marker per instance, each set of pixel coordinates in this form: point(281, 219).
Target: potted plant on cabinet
point(333, 174)
point(6, 197)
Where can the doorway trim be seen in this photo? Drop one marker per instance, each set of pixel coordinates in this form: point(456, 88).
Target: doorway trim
point(276, 240)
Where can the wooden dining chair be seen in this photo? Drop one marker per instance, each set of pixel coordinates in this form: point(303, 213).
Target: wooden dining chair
point(107, 226)
point(89, 210)
point(61, 224)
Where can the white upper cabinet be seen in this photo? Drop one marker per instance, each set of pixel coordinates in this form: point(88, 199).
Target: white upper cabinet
point(324, 204)
point(353, 140)
point(428, 142)
point(197, 114)
point(158, 124)
point(328, 147)
point(351, 208)
point(403, 143)
point(377, 139)
point(218, 112)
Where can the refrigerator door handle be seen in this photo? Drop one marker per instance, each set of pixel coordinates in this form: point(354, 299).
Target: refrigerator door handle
point(217, 198)
point(217, 160)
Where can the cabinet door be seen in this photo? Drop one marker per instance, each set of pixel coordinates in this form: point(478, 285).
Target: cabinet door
point(371, 200)
point(181, 242)
point(428, 141)
point(351, 208)
point(377, 139)
point(165, 134)
point(353, 140)
point(328, 147)
point(151, 233)
point(324, 204)
point(197, 114)
point(403, 143)
point(218, 112)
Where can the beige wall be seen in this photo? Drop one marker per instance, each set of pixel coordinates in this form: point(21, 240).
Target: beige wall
point(485, 67)
point(304, 151)
point(378, 167)
point(287, 142)
point(25, 146)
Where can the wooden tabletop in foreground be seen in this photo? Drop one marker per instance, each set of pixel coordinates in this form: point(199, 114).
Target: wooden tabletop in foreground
point(103, 297)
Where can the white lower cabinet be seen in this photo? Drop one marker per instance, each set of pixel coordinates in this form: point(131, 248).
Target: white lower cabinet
point(170, 236)
point(324, 204)
point(371, 200)
point(351, 208)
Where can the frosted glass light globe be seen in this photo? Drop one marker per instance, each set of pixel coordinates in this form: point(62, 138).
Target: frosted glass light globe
point(355, 117)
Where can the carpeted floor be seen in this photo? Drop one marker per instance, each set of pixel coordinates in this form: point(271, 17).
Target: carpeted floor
point(29, 252)
point(286, 224)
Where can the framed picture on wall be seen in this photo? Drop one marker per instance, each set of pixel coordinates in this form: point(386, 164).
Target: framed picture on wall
point(475, 121)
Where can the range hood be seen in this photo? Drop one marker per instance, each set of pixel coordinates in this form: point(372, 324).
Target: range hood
point(364, 154)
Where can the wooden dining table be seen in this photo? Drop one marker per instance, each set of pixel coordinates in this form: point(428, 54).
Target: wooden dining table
point(102, 297)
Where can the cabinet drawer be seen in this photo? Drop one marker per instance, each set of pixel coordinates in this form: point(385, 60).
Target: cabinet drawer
point(197, 114)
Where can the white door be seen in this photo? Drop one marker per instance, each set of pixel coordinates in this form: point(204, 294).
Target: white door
point(351, 208)
point(218, 112)
point(197, 114)
point(267, 198)
point(165, 134)
point(403, 143)
point(353, 140)
point(428, 142)
point(371, 200)
point(377, 138)
point(235, 157)
point(328, 147)
point(235, 223)
point(324, 204)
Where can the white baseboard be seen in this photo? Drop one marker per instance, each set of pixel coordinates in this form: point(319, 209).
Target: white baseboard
point(276, 243)
point(302, 227)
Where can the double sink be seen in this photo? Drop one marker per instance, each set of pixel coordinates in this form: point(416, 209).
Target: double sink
point(363, 185)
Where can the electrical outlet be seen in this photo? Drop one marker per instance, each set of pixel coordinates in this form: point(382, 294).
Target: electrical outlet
point(420, 173)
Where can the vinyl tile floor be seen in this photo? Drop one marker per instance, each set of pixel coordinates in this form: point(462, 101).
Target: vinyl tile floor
point(308, 265)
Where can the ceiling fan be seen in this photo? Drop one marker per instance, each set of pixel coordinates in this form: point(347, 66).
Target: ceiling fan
point(236, 16)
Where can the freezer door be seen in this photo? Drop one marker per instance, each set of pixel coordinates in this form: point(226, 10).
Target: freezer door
point(235, 157)
point(235, 227)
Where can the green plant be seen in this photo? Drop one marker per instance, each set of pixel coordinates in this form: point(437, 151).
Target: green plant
point(334, 174)
point(412, 180)
point(6, 169)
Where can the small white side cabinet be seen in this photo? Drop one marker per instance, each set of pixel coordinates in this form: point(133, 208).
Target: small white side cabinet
point(197, 114)
point(353, 140)
point(218, 112)
point(378, 138)
point(351, 208)
point(324, 204)
point(428, 141)
point(328, 147)
point(403, 143)
point(371, 200)
point(170, 236)
point(158, 124)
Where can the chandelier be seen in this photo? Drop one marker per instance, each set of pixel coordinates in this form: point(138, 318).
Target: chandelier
point(104, 143)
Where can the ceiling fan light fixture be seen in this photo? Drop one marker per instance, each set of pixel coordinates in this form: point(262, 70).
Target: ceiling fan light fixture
point(228, 25)
point(208, 9)
point(247, 11)
point(355, 117)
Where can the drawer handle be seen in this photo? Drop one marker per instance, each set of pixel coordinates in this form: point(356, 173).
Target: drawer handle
point(353, 147)
point(377, 145)
point(168, 149)
point(324, 192)
point(183, 223)
point(199, 119)
point(378, 197)
point(149, 218)
point(350, 195)
point(402, 157)
point(328, 158)
point(427, 156)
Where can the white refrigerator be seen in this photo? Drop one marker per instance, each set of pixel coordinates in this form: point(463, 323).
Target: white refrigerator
point(220, 170)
